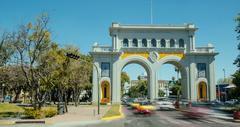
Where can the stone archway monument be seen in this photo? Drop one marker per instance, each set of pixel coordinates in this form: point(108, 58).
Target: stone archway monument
point(152, 46)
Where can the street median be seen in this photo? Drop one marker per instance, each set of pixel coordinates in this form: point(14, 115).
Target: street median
point(115, 112)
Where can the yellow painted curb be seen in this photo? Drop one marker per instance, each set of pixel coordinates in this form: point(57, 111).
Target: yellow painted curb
point(115, 117)
point(7, 122)
point(49, 122)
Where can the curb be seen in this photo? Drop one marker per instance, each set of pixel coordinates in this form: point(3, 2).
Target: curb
point(7, 122)
point(76, 123)
point(115, 117)
point(30, 121)
point(22, 122)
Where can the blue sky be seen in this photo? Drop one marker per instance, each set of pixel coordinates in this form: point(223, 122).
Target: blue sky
point(82, 22)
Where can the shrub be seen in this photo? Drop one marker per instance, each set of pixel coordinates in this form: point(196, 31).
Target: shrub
point(50, 111)
point(33, 114)
point(39, 114)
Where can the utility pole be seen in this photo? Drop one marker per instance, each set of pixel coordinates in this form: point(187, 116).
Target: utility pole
point(224, 74)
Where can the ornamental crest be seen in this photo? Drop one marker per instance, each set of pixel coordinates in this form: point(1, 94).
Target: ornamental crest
point(153, 56)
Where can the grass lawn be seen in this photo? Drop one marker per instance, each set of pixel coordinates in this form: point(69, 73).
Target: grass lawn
point(10, 110)
point(113, 111)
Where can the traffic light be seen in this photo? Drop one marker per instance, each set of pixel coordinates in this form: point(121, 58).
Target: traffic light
point(71, 55)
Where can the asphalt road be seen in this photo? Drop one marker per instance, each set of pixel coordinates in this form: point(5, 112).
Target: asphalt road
point(158, 119)
point(164, 119)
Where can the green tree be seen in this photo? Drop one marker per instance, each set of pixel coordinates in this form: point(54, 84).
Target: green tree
point(225, 80)
point(124, 78)
point(139, 90)
point(31, 41)
point(12, 77)
point(6, 48)
point(79, 75)
point(49, 70)
point(236, 75)
point(237, 60)
point(161, 93)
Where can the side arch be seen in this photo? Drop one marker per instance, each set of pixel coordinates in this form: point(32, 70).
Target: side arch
point(105, 91)
point(202, 89)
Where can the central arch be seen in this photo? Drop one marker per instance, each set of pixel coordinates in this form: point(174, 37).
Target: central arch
point(140, 60)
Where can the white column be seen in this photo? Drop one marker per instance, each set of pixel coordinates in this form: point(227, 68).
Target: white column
point(113, 42)
point(116, 84)
point(192, 85)
point(116, 43)
point(152, 85)
point(193, 43)
point(156, 84)
point(95, 85)
point(212, 85)
point(185, 84)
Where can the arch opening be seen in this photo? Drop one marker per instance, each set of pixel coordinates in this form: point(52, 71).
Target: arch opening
point(138, 85)
point(172, 80)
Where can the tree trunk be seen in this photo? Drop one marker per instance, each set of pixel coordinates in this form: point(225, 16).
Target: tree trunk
point(78, 97)
point(16, 96)
point(66, 108)
point(74, 97)
point(24, 97)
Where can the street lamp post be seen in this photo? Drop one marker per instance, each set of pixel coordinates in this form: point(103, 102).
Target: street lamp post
point(224, 74)
point(219, 94)
point(76, 57)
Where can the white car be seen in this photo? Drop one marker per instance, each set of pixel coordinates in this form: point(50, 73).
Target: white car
point(165, 105)
point(231, 102)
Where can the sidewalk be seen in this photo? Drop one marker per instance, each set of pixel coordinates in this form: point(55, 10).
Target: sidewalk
point(81, 113)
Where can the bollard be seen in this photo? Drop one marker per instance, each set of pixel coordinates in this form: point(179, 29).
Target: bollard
point(94, 112)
